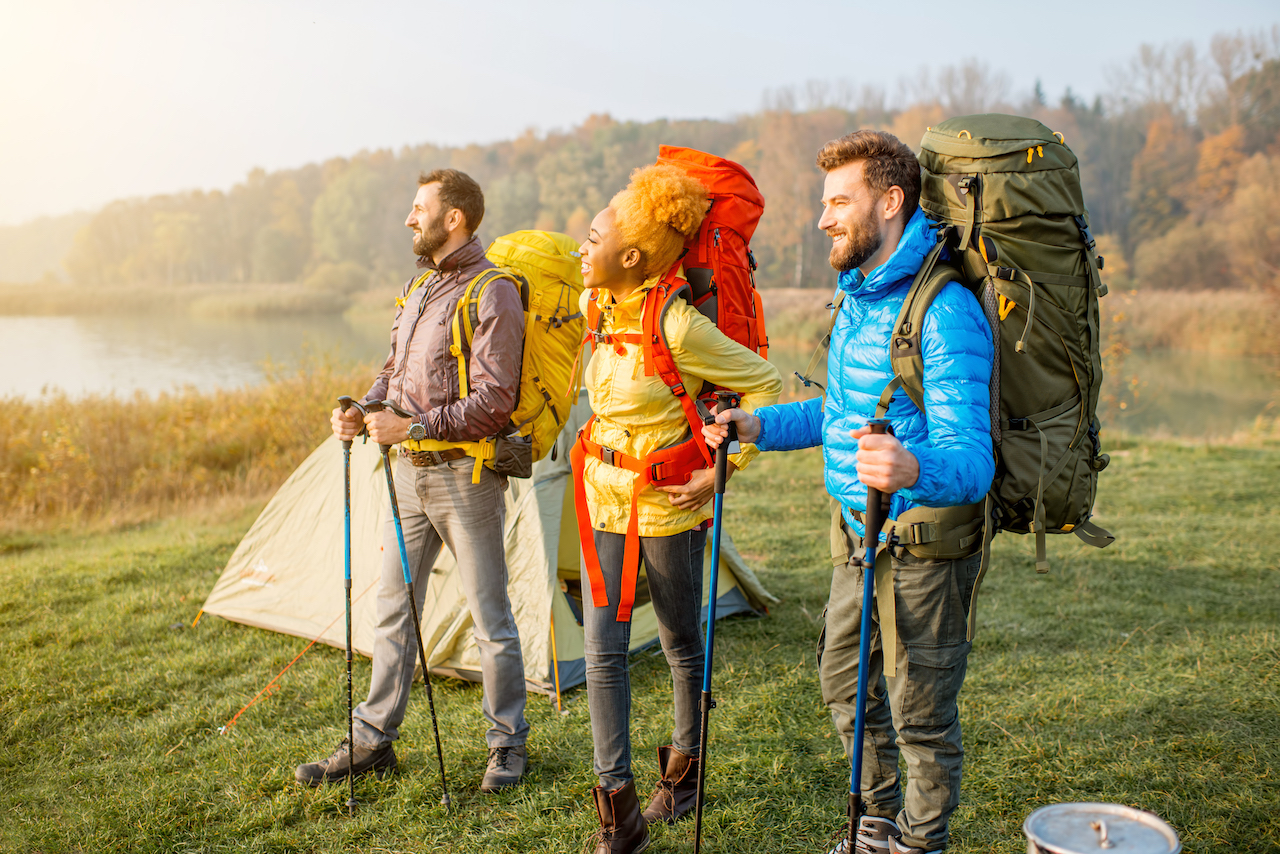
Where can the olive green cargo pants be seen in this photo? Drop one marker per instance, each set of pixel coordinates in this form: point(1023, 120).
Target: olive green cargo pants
point(913, 711)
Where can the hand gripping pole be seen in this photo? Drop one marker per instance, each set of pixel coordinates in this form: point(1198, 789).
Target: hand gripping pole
point(378, 406)
point(726, 400)
point(877, 512)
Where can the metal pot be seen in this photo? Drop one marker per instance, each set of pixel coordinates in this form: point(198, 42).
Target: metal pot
point(1098, 829)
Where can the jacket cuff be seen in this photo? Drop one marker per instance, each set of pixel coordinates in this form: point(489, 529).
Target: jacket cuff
point(926, 485)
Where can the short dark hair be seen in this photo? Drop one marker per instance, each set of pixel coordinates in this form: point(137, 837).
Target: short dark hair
point(888, 163)
point(458, 190)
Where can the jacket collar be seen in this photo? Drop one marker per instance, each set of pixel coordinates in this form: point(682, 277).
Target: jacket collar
point(917, 239)
point(467, 253)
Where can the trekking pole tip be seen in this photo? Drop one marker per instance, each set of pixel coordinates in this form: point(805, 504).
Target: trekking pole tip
point(352, 803)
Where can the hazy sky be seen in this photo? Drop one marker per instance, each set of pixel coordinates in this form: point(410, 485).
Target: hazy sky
point(102, 100)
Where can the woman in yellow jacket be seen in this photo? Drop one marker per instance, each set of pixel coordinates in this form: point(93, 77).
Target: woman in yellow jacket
point(632, 244)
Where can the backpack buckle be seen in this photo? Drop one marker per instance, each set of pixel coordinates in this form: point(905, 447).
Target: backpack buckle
point(606, 455)
point(1019, 423)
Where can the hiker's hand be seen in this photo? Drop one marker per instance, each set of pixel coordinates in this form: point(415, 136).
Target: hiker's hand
point(748, 427)
point(346, 425)
point(698, 491)
point(883, 463)
point(387, 428)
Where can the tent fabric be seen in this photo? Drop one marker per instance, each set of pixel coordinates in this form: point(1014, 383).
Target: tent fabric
point(286, 574)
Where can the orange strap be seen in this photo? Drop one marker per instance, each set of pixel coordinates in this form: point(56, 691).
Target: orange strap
point(658, 357)
point(662, 467)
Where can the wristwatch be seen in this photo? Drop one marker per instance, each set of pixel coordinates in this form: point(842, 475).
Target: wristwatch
point(417, 432)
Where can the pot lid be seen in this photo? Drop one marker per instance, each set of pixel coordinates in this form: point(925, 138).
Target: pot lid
point(1099, 829)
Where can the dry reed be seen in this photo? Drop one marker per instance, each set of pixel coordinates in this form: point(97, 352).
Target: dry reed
point(65, 461)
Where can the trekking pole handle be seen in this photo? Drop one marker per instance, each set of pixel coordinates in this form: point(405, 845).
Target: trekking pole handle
point(396, 409)
point(726, 400)
point(877, 501)
point(345, 402)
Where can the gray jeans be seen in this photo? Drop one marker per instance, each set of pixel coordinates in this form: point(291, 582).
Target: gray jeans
point(914, 711)
point(673, 568)
point(439, 505)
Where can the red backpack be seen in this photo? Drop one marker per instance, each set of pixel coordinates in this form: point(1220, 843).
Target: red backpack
point(718, 282)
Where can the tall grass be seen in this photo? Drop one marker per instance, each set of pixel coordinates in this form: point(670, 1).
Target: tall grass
point(64, 460)
point(213, 300)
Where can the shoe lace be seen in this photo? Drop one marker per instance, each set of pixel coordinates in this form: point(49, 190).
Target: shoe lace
point(498, 757)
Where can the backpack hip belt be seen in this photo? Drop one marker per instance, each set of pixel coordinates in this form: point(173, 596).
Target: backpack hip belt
point(481, 451)
point(662, 467)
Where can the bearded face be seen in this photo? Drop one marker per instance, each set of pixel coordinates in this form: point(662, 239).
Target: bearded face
point(854, 242)
point(431, 236)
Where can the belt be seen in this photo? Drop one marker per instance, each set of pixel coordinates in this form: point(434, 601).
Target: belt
point(433, 458)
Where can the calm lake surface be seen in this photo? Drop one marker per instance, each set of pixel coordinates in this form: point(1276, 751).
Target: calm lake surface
point(1189, 395)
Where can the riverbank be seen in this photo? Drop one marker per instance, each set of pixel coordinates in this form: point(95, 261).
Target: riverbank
point(1145, 674)
point(1223, 322)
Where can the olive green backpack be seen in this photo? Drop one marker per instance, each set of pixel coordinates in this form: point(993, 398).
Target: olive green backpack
point(1005, 192)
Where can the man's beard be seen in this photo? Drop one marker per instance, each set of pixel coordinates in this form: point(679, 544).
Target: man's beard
point(860, 243)
point(432, 237)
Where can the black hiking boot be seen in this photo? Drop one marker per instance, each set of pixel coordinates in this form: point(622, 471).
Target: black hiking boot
point(381, 761)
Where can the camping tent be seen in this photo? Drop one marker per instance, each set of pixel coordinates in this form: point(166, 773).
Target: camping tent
point(286, 574)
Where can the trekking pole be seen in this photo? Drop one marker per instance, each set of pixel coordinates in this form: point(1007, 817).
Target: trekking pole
point(345, 402)
point(726, 400)
point(877, 512)
point(408, 586)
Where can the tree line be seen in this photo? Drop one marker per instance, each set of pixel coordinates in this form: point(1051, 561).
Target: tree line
point(1180, 162)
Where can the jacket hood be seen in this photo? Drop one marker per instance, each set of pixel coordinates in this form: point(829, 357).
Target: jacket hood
point(917, 239)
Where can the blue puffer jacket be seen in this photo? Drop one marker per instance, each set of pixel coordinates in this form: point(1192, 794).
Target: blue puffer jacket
point(952, 441)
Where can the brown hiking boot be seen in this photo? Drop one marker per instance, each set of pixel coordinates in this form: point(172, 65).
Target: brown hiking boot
point(622, 827)
point(677, 791)
point(506, 767)
point(381, 761)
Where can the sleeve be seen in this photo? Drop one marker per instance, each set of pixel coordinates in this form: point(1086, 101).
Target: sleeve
point(956, 458)
point(701, 349)
point(497, 347)
point(790, 426)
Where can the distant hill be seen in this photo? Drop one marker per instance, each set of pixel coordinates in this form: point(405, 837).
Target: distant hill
point(35, 250)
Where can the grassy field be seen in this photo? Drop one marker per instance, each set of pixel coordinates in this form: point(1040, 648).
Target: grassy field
point(1148, 674)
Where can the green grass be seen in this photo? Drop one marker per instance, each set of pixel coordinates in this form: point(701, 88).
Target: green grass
point(1146, 674)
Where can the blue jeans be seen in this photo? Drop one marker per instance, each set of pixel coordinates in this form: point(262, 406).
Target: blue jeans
point(673, 566)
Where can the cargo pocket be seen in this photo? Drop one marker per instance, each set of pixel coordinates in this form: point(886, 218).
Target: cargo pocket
point(934, 677)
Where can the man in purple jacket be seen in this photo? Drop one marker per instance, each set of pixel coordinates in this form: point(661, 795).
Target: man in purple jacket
point(439, 503)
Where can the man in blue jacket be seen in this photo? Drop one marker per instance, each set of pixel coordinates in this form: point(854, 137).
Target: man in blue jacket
point(939, 458)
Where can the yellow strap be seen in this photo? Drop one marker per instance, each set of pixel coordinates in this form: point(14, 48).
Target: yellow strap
point(481, 451)
point(417, 283)
point(462, 323)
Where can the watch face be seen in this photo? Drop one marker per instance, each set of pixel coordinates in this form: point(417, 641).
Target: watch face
point(417, 432)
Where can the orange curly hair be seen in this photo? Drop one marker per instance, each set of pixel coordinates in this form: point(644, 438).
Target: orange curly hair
point(657, 212)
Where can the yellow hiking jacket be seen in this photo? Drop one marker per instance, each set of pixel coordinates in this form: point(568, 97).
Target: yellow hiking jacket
point(636, 414)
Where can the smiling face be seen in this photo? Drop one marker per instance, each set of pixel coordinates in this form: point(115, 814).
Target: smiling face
point(853, 217)
point(606, 262)
point(427, 220)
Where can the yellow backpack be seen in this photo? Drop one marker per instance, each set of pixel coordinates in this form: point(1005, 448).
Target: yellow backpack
point(546, 268)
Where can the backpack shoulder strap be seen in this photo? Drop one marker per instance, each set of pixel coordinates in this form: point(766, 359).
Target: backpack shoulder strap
point(657, 351)
point(905, 345)
point(413, 286)
point(467, 317)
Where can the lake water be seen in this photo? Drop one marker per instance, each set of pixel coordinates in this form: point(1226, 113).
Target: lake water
point(1181, 394)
